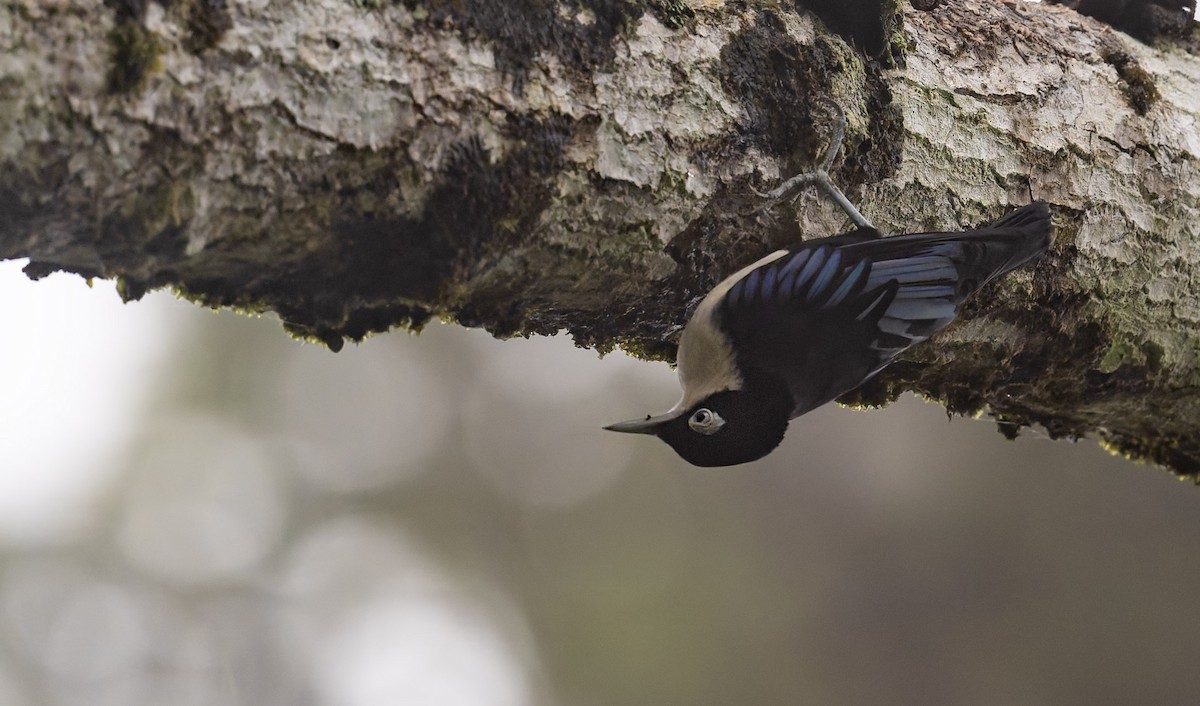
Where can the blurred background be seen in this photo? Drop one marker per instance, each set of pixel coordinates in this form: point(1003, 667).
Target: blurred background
point(197, 510)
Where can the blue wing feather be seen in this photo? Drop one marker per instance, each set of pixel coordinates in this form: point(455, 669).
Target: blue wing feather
point(770, 277)
point(826, 275)
point(928, 268)
point(752, 282)
point(851, 283)
point(786, 284)
point(833, 312)
point(810, 268)
point(795, 262)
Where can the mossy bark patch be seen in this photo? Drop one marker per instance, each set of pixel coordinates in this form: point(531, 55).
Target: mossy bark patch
point(206, 21)
point(135, 54)
point(374, 264)
point(136, 50)
point(776, 79)
point(580, 34)
point(1136, 83)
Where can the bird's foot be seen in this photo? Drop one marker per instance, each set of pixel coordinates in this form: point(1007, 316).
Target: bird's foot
point(820, 176)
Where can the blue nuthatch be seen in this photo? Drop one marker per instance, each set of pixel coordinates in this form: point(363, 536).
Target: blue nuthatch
point(802, 326)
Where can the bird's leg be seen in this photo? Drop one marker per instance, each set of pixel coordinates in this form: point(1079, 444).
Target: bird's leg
point(820, 176)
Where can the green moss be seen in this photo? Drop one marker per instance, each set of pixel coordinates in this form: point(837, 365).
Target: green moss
point(206, 22)
point(638, 348)
point(136, 52)
point(361, 323)
point(135, 55)
point(776, 78)
point(672, 13)
point(877, 156)
point(1010, 424)
point(1180, 454)
point(153, 221)
point(874, 393)
point(129, 289)
point(1140, 89)
point(1145, 356)
point(896, 44)
point(1153, 354)
point(1114, 357)
point(1137, 85)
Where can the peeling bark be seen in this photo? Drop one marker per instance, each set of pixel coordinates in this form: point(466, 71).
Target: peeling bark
point(538, 166)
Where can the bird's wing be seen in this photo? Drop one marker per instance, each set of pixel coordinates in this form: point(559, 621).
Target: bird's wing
point(828, 315)
point(813, 318)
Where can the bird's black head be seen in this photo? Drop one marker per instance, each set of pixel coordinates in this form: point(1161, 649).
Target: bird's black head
point(723, 429)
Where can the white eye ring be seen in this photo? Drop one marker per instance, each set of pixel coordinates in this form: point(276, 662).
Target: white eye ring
point(705, 421)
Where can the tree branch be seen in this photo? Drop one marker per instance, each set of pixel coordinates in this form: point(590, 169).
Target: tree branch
point(534, 166)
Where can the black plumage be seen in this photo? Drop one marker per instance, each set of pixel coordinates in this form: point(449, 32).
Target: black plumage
point(828, 315)
point(801, 327)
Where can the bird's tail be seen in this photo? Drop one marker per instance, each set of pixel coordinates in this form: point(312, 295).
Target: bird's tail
point(1010, 241)
point(965, 260)
point(934, 273)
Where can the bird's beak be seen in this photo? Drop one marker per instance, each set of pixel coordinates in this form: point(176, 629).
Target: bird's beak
point(649, 425)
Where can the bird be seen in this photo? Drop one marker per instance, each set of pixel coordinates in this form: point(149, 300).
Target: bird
point(806, 324)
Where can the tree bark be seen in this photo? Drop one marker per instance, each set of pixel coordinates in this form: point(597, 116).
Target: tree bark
point(593, 167)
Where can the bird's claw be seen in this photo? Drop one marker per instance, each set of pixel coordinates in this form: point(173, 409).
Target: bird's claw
point(820, 176)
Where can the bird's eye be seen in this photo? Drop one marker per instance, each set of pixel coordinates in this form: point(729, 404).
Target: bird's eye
point(705, 421)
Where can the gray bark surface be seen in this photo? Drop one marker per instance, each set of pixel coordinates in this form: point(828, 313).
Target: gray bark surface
point(536, 167)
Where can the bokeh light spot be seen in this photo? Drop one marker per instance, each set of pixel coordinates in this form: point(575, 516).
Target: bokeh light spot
point(203, 502)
